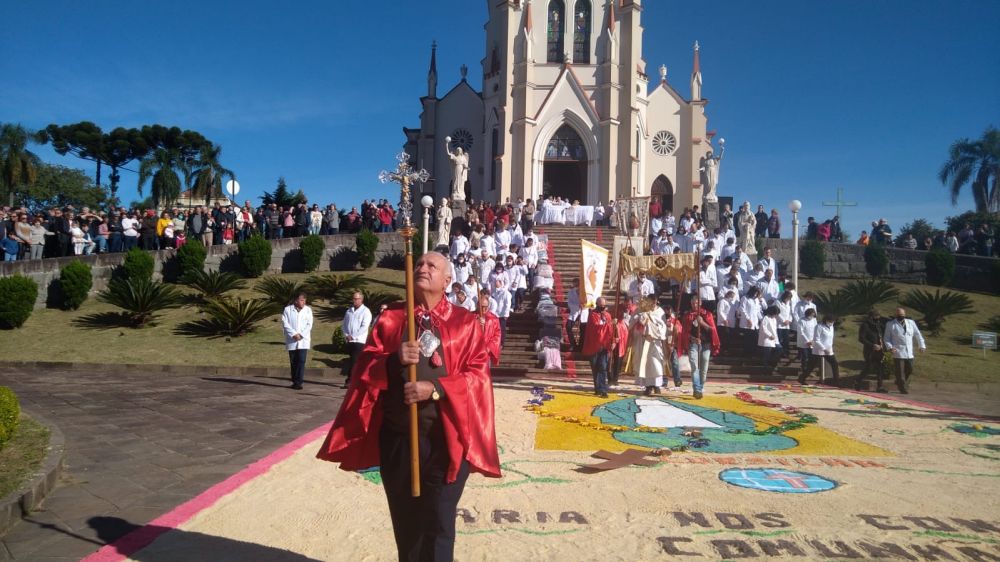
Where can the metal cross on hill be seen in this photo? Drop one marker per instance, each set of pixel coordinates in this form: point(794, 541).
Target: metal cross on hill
point(840, 203)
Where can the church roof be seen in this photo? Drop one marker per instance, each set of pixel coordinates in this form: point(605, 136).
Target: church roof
point(458, 87)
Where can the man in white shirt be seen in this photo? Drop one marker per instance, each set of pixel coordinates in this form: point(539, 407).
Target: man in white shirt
point(741, 259)
point(822, 350)
point(729, 248)
point(662, 245)
point(459, 246)
point(707, 284)
point(899, 335)
point(800, 308)
point(486, 266)
point(640, 287)
point(297, 322)
point(669, 224)
point(768, 286)
point(357, 321)
point(768, 261)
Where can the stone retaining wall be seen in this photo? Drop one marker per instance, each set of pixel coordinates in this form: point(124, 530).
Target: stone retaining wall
point(972, 273)
point(285, 258)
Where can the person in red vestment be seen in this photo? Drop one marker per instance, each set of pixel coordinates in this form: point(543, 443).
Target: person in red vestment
point(620, 347)
point(599, 339)
point(490, 325)
point(454, 395)
point(700, 340)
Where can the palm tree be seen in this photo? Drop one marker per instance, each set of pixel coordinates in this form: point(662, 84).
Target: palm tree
point(978, 161)
point(18, 166)
point(206, 173)
point(161, 165)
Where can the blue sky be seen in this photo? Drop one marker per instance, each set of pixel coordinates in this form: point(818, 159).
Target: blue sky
point(810, 96)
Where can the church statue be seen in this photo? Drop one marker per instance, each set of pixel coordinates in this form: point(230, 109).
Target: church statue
point(748, 226)
point(460, 170)
point(444, 217)
point(711, 170)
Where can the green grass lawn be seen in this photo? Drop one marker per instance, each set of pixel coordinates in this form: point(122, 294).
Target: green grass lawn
point(949, 356)
point(23, 454)
point(50, 335)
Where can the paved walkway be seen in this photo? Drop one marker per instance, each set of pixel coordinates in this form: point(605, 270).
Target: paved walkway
point(138, 446)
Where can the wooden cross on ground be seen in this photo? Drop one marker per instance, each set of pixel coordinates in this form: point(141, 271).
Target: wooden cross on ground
point(840, 203)
point(613, 461)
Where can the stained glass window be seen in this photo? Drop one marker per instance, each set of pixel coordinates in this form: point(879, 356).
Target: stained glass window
point(566, 144)
point(581, 33)
point(556, 31)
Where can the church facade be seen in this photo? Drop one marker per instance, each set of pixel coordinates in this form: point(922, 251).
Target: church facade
point(566, 109)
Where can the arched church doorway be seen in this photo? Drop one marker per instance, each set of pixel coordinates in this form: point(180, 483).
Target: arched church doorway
point(663, 189)
point(565, 166)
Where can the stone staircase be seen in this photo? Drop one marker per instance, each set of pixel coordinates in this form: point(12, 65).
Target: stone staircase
point(519, 359)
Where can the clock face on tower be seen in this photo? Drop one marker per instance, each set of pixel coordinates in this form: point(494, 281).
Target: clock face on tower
point(461, 138)
point(664, 143)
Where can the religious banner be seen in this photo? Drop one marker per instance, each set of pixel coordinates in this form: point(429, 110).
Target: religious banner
point(632, 215)
point(592, 269)
point(669, 266)
point(624, 244)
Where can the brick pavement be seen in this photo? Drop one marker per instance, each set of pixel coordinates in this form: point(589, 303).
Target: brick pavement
point(139, 445)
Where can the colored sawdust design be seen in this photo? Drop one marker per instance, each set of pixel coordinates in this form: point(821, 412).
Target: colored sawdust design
point(991, 452)
point(778, 481)
point(978, 431)
point(572, 422)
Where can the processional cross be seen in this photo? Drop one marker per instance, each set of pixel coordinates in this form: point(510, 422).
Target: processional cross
point(840, 203)
point(404, 176)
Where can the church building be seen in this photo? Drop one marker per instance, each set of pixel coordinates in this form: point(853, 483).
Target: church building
point(566, 109)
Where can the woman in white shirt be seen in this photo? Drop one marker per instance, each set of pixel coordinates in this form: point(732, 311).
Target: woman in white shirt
point(749, 314)
point(784, 304)
point(130, 232)
point(822, 350)
point(79, 239)
point(805, 331)
point(767, 339)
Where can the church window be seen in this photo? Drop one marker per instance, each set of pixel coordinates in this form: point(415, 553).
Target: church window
point(495, 160)
point(581, 33)
point(566, 144)
point(664, 143)
point(556, 31)
point(461, 138)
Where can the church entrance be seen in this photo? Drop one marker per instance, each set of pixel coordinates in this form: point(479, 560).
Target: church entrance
point(565, 166)
point(663, 189)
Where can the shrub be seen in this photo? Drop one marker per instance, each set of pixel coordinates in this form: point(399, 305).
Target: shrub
point(141, 299)
point(758, 244)
point(876, 260)
point(17, 299)
point(992, 325)
point(333, 287)
point(255, 255)
point(940, 265)
point(228, 317)
point(190, 260)
point(937, 306)
point(836, 303)
point(418, 244)
point(338, 341)
point(215, 283)
point(10, 414)
point(312, 247)
point(375, 299)
point(138, 266)
point(279, 291)
point(367, 243)
point(75, 282)
point(812, 258)
point(866, 294)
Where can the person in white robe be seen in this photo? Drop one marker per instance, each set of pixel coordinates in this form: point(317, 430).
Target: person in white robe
point(649, 332)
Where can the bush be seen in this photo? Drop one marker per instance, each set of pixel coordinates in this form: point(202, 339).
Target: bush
point(338, 341)
point(229, 317)
point(141, 299)
point(866, 294)
point(10, 414)
point(75, 282)
point(279, 291)
point(333, 287)
point(940, 265)
point(992, 325)
point(17, 299)
point(876, 260)
point(138, 266)
point(837, 304)
point(758, 244)
point(312, 247)
point(215, 283)
point(937, 306)
point(255, 255)
point(375, 299)
point(191, 260)
point(367, 243)
point(812, 258)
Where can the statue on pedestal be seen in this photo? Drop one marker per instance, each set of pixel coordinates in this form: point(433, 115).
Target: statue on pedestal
point(460, 170)
point(444, 217)
point(748, 226)
point(710, 168)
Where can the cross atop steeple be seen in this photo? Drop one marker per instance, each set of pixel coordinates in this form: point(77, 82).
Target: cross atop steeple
point(696, 74)
point(840, 203)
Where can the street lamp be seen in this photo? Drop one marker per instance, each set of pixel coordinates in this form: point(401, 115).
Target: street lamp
point(795, 205)
point(427, 201)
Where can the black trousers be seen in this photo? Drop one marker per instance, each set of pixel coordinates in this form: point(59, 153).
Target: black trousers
point(353, 350)
point(904, 368)
point(873, 362)
point(831, 360)
point(424, 527)
point(297, 358)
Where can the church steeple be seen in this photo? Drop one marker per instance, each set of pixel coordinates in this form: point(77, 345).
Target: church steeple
point(696, 75)
point(432, 74)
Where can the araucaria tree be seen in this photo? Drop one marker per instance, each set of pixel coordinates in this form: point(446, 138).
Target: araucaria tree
point(977, 161)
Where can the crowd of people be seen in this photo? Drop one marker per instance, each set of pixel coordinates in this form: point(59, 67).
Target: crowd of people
point(968, 240)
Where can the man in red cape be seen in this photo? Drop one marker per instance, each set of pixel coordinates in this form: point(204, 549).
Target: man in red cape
point(490, 325)
point(454, 395)
point(700, 340)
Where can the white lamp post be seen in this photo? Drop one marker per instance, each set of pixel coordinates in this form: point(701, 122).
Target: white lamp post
point(427, 201)
point(795, 205)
